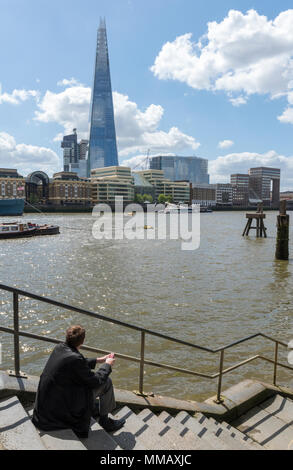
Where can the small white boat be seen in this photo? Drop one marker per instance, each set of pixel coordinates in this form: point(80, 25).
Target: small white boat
point(174, 209)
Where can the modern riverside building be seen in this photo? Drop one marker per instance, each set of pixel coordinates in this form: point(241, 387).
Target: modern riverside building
point(240, 189)
point(212, 194)
point(66, 188)
point(12, 185)
point(109, 182)
point(179, 191)
point(204, 194)
point(70, 150)
point(102, 143)
point(74, 154)
point(224, 194)
point(265, 182)
point(175, 168)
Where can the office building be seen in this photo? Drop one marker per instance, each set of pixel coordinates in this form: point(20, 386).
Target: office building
point(109, 182)
point(102, 142)
point(240, 189)
point(265, 182)
point(224, 194)
point(70, 150)
point(74, 154)
point(179, 191)
point(66, 188)
point(175, 168)
point(204, 194)
point(12, 185)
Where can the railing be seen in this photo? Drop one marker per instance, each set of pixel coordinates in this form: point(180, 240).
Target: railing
point(16, 332)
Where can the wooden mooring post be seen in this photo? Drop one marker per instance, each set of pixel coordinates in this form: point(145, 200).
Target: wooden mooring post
point(259, 217)
point(282, 244)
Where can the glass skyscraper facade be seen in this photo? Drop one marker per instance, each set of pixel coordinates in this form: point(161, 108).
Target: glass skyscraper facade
point(102, 143)
point(192, 169)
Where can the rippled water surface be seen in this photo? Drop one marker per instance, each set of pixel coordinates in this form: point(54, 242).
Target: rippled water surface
point(229, 288)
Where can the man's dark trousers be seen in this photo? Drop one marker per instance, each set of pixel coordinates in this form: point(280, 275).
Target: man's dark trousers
point(105, 393)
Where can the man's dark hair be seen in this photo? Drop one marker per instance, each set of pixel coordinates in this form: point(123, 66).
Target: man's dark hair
point(75, 335)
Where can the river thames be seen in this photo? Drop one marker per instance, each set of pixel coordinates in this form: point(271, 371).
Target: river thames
point(229, 288)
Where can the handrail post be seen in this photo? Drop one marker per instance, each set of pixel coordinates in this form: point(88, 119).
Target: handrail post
point(275, 363)
point(219, 399)
point(16, 334)
point(141, 370)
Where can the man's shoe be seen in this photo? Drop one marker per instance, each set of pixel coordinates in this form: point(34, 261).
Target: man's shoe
point(111, 425)
point(96, 411)
point(82, 435)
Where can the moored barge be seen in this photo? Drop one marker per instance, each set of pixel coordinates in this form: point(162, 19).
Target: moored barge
point(23, 230)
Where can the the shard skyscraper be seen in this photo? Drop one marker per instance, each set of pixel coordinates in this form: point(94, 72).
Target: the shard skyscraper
point(102, 142)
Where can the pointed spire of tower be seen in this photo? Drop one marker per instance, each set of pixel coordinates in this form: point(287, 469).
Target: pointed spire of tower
point(102, 23)
point(102, 143)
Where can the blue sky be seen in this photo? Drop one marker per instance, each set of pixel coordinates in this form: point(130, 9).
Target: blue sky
point(227, 99)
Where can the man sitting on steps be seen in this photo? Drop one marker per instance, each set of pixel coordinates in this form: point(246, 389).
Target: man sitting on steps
point(68, 387)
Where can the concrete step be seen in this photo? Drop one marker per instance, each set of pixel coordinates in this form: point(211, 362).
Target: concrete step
point(214, 425)
point(266, 428)
point(136, 434)
point(208, 441)
point(99, 439)
point(202, 442)
point(16, 430)
point(177, 442)
point(280, 407)
point(214, 435)
point(61, 439)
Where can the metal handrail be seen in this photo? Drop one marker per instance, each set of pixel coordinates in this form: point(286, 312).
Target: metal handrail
point(16, 332)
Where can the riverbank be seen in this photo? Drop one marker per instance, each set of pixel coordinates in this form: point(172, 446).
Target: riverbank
point(88, 209)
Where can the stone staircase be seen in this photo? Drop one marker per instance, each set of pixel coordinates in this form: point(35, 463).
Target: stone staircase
point(268, 425)
point(142, 431)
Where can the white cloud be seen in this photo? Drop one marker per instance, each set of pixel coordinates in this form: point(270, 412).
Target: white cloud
point(69, 108)
point(225, 144)
point(244, 54)
point(17, 96)
point(136, 130)
point(26, 158)
point(238, 101)
point(222, 167)
point(139, 130)
point(69, 82)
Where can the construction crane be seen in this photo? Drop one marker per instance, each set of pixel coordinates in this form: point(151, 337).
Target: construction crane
point(144, 161)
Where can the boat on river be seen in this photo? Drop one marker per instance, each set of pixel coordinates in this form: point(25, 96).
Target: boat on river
point(171, 208)
point(27, 229)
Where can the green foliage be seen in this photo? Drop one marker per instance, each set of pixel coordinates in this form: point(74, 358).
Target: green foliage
point(162, 198)
point(147, 197)
point(138, 198)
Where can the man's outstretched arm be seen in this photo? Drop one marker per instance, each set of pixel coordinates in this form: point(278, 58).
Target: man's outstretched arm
point(83, 375)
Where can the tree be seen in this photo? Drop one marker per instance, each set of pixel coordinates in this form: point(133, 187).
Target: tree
point(162, 199)
point(139, 199)
point(147, 197)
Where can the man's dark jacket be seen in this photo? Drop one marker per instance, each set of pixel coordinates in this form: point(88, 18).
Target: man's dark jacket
point(65, 392)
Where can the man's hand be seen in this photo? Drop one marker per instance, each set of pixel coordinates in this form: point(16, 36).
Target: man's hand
point(110, 360)
point(104, 358)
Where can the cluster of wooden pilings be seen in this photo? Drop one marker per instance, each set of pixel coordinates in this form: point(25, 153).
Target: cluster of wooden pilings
point(259, 226)
point(282, 243)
